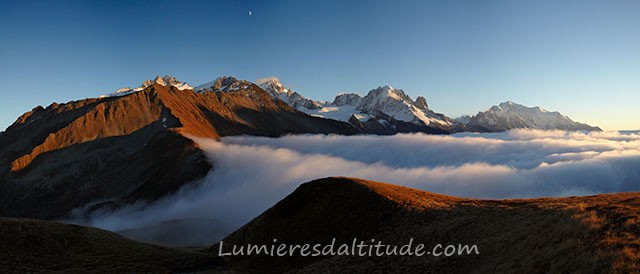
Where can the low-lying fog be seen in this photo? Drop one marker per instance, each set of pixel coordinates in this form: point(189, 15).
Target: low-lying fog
point(252, 173)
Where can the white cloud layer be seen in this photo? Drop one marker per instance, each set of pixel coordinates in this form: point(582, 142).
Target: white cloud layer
point(252, 173)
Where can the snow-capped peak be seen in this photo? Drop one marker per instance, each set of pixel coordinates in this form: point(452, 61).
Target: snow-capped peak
point(349, 99)
point(421, 103)
point(395, 103)
point(167, 81)
point(272, 85)
point(159, 80)
point(508, 104)
point(223, 84)
point(389, 91)
point(381, 103)
point(276, 89)
point(515, 107)
point(382, 97)
point(464, 119)
point(510, 115)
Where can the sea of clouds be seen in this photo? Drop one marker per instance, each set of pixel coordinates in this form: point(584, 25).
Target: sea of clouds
point(251, 174)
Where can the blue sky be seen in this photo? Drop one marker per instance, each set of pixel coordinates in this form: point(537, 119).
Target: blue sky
point(579, 57)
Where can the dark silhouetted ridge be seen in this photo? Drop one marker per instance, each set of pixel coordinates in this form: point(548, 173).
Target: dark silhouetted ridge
point(595, 234)
point(33, 246)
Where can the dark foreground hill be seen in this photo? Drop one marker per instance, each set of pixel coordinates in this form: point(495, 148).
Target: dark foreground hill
point(593, 234)
point(33, 246)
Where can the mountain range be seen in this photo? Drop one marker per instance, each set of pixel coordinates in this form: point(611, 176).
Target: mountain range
point(114, 150)
point(138, 139)
point(388, 110)
point(383, 108)
point(509, 115)
point(386, 106)
point(135, 145)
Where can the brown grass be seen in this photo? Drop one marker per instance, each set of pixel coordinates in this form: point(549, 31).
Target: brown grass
point(594, 234)
point(29, 246)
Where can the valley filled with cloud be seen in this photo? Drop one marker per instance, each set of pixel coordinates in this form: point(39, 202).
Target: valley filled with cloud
point(251, 174)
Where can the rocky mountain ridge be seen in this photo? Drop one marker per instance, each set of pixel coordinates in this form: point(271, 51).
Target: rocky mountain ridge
point(510, 115)
point(115, 150)
point(387, 110)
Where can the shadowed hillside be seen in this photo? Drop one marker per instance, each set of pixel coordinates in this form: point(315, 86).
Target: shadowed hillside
point(117, 150)
point(592, 234)
point(29, 246)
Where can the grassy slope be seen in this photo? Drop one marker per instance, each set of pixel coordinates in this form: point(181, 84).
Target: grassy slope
point(592, 234)
point(35, 246)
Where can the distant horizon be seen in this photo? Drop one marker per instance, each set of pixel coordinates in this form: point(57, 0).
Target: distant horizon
point(580, 58)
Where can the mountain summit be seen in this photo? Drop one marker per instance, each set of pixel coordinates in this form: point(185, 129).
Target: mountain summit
point(167, 81)
point(509, 115)
point(224, 84)
point(395, 103)
point(273, 86)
